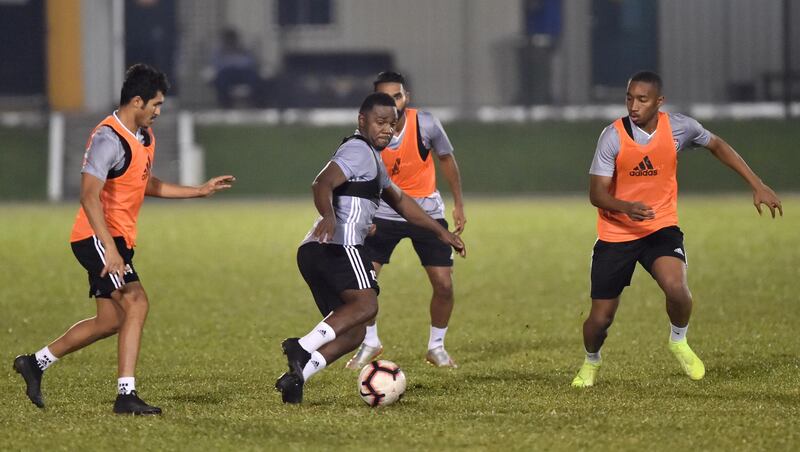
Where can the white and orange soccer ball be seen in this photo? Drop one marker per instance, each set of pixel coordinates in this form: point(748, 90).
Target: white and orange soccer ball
point(381, 383)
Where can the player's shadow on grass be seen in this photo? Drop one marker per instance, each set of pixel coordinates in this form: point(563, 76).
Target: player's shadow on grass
point(203, 398)
point(496, 350)
point(541, 376)
point(757, 366)
point(746, 396)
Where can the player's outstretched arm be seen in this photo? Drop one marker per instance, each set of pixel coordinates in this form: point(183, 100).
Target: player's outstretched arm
point(449, 167)
point(408, 209)
point(762, 194)
point(160, 189)
point(600, 197)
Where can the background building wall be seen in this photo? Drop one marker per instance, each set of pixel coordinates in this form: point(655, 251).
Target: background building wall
point(456, 53)
point(711, 47)
point(461, 53)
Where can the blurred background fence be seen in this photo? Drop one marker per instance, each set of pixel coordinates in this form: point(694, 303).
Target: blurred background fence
point(265, 88)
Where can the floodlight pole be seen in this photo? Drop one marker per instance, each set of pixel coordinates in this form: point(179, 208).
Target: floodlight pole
point(118, 45)
point(55, 158)
point(787, 59)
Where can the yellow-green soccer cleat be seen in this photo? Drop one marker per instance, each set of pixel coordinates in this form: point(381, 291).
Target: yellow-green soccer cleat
point(690, 363)
point(364, 355)
point(587, 375)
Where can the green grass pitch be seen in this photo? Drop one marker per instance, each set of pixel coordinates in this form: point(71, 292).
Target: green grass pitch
point(225, 290)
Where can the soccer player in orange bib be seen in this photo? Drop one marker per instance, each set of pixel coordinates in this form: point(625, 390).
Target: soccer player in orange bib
point(409, 161)
point(634, 186)
point(116, 176)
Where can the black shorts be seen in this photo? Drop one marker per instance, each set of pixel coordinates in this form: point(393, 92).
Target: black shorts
point(331, 269)
point(91, 254)
point(431, 251)
point(613, 262)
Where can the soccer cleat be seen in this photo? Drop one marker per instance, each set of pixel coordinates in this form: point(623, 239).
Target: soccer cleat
point(27, 366)
point(586, 375)
point(689, 361)
point(365, 355)
point(131, 404)
point(439, 357)
point(290, 386)
point(296, 355)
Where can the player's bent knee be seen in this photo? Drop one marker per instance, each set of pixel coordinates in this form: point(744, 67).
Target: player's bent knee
point(605, 321)
point(602, 319)
point(676, 290)
point(135, 300)
point(443, 289)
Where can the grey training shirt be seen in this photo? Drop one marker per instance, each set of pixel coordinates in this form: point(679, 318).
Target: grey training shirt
point(433, 137)
point(686, 132)
point(105, 152)
point(359, 162)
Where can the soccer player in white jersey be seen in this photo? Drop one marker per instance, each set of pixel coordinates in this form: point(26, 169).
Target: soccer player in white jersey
point(331, 258)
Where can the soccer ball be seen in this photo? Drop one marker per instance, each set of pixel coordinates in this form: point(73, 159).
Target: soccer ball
point(381, 383)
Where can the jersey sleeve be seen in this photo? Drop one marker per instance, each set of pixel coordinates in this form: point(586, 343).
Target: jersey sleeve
point(104, 154)
point(433, 133)
point(604, 162)
point(355, 159)
point(689, 132)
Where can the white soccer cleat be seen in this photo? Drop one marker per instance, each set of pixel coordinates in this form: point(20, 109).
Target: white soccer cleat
point(439, 357)
point(364, 355)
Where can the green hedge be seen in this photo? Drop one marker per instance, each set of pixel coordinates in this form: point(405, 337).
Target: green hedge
point(23, 163)
point(548, 157)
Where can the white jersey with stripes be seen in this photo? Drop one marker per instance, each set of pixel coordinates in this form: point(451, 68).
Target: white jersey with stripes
point(359, 162)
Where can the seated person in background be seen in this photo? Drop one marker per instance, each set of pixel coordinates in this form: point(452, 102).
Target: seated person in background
point(234, 71)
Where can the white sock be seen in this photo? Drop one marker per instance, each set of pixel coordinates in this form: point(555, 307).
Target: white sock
point(593, 358)
point(316, 338)
point(371, 338)
point(437, 337)
point(45, 358)
point(125, 385)
point(315, 364)
point(677, 333)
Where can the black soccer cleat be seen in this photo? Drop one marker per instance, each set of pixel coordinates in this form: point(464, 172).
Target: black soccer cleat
point(296, 356)
point(132, 404)
point(290, 386)
point(27, 366)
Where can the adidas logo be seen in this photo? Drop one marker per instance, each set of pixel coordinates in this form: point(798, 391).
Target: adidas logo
point(315, 363)
point(644, 168)
point(323, 333)
point(678, 250)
